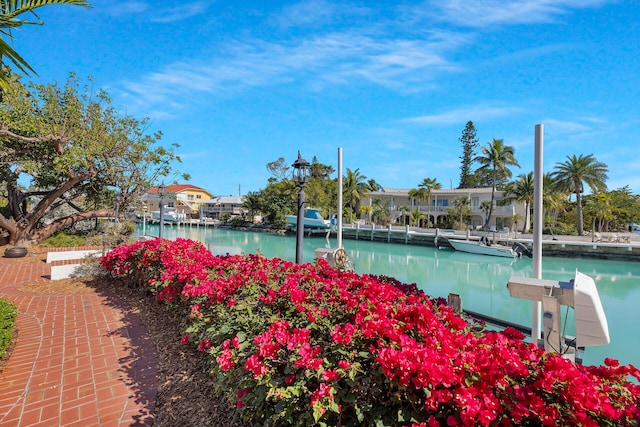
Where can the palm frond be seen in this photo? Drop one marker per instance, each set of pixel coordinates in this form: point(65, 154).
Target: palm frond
point(7, 51)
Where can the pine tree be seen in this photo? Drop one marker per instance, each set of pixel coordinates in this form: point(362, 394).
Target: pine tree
point(469, 144)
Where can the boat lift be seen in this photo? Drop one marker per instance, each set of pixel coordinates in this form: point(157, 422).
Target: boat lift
point(581, 294)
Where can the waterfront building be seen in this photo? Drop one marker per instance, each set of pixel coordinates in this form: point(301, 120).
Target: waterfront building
point(183, 198)
point(504, 216)
point(220, 205)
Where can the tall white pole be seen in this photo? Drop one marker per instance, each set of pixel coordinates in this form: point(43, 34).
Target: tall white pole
point(339, 232)
point(538, 224)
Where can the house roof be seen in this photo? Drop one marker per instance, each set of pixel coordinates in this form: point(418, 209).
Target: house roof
point(178, 188)
point(225, 200)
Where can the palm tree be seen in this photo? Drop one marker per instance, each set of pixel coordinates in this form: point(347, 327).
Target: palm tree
point(373, 185)
point(429, 184)
point(354, 189)
point(418, 194)
point(415, 217)
point(495, 159)
point(366, 210)
point(380, 212)
point(485, 207)
point(404, 211)
point(461, 205)
point(521, 190)
point(601, 208)
point(553, 200)
point(10, 11)
point(252, 202)
point(572, 173)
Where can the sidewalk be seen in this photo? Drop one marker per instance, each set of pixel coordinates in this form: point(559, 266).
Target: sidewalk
point(82, 358)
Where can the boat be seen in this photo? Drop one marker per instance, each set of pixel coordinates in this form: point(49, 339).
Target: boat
point(170, 216)
point(312, 220)
point(485, 247)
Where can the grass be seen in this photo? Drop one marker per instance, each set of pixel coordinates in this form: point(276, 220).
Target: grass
point(8, 314)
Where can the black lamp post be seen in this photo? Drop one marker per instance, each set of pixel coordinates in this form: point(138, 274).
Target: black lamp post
point(301, 172)
point(162, 192)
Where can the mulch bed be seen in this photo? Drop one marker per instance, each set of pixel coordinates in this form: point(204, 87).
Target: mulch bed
point(186, 390)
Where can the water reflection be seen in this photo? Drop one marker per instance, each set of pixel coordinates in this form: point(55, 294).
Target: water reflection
point(479, 280)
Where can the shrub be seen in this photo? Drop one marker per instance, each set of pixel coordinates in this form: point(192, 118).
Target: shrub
point(309, 345)
point(64, 240)
point(8, 314)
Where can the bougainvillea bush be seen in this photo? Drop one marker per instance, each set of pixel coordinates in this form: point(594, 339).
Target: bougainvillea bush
point(310, 345)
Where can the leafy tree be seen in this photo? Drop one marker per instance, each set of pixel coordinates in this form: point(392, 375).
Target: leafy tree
point(612, 210)
point(278, 200)
point(469, 145)
point(521, 190)
point(601, 210)
point(495, 158)
point(279, 169)
point(321, 171)
point(429, 184)
point(571, 174)
point(626, 207)
point(11, 12)
point(78, 155)
point(279, 197)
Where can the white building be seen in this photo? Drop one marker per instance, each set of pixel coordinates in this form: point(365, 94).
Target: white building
point(217, 206)
point(399, 203)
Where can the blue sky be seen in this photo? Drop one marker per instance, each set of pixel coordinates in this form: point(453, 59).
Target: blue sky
point(240, 84)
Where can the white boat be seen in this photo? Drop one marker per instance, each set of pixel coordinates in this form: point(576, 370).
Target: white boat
point(312, 219)
point(170, 216)
point(485, 247)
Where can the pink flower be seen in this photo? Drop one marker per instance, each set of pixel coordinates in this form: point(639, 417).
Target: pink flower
point(204, 344)
point(330, 375)
point(184, 340)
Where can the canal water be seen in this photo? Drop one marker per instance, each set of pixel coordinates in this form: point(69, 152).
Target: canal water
point(480, 280)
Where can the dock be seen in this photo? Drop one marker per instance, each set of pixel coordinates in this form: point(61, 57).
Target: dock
point(626, 248)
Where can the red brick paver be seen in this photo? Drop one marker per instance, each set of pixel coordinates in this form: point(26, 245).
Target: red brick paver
point(82, 359)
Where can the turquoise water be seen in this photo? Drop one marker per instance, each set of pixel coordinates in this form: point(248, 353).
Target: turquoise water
point(479, 280)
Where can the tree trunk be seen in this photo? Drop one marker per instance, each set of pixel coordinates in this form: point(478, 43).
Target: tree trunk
point(579, 212)
point(493, 191)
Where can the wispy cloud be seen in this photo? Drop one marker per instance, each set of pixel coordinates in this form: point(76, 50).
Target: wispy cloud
point(124, 8)
point(183, 11)
point(462, 115)
point(332, 59)
point(483, 13)
point(162, 15)
point(565, 127)
point(313, 13)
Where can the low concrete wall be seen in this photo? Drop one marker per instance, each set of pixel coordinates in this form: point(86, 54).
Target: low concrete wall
point(66, 263)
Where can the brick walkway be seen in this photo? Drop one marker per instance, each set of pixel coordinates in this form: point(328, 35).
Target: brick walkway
point(82, 359)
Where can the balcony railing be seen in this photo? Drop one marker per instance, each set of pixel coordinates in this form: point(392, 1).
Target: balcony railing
point(497, 210)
